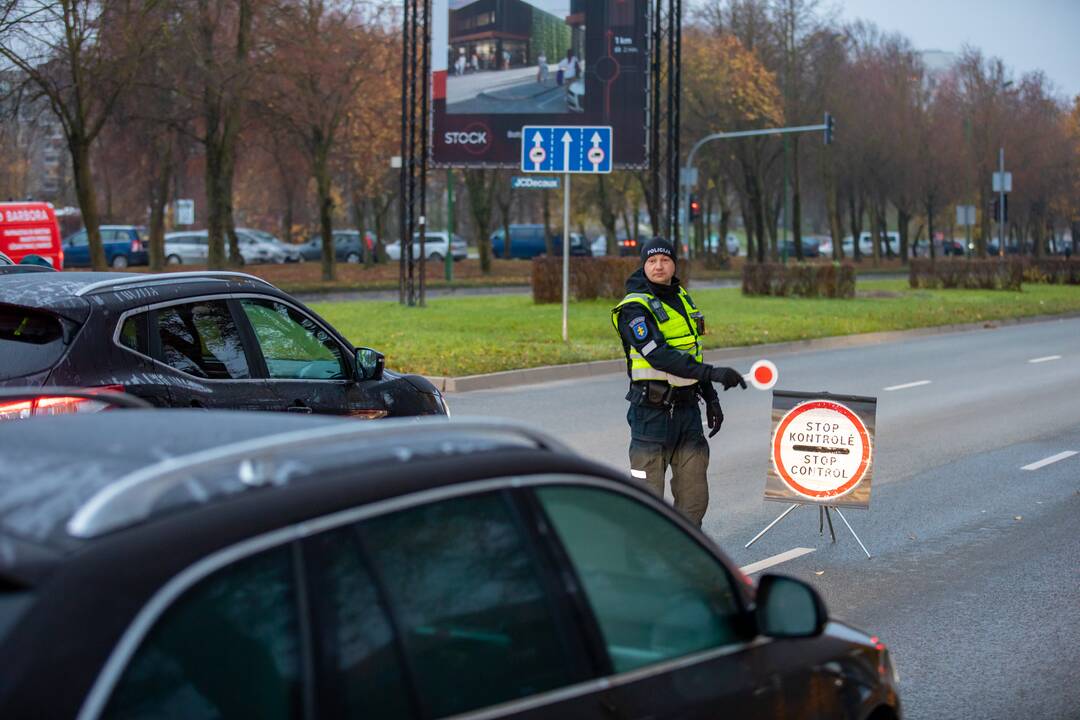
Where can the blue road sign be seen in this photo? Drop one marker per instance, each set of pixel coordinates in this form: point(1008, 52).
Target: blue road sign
point(534, 183)
point(566, 149)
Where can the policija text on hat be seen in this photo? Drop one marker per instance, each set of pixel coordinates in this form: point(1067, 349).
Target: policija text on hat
point(661, 332)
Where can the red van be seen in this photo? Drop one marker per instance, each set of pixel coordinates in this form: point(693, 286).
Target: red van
point(29, 228)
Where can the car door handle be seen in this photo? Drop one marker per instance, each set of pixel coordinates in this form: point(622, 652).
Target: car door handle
point(299, 409)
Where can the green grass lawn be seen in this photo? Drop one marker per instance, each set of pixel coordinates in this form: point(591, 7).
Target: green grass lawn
point(470, 335)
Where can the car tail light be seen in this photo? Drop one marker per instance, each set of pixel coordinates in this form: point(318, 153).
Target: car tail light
point(136, 245)
point(55, 405)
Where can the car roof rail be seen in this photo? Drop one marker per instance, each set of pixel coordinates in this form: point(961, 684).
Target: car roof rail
point(131, 499)
point(165, 278)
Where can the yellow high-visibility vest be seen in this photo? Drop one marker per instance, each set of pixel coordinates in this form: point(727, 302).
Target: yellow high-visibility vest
point(678, 332)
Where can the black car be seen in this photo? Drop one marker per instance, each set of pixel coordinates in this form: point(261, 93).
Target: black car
point(242, 565)
point(194, 339)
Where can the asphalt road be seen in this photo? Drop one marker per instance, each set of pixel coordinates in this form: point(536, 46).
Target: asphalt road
point(975, 577)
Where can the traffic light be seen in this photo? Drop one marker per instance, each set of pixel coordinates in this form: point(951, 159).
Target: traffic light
point(695, 208)
point(995, 205)
point(830, 128)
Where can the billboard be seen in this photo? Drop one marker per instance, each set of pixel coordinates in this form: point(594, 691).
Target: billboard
point(498, 65)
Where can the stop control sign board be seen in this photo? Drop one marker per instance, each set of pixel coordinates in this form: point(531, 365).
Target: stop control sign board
point(822, 449)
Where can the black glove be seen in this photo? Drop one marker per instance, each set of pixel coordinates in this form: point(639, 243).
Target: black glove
point(714, 415)
point(727, 377)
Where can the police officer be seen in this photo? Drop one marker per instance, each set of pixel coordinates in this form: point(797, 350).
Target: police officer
point(661, 329)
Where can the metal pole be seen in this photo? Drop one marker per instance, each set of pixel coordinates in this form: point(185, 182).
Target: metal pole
point(402, 208)
point(424, 69)
point(787, 202)
point(851, 530)
point(1001, 202)
point(566, 259)
point(770, 525)
point(450, 225)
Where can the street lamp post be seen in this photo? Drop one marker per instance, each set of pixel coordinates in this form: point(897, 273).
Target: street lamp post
point(826, 126)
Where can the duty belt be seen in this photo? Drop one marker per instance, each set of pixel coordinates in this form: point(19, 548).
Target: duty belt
point(656, 393)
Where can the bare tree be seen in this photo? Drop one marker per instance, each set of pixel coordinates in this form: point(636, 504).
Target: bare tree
point(79, 56)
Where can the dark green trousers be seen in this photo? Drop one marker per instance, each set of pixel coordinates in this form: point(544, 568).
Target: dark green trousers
point(659, 439)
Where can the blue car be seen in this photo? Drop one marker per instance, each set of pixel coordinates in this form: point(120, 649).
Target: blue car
point(527, 241)
point(124, 245)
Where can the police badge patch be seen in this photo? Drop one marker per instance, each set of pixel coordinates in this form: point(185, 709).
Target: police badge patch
point(639, 328)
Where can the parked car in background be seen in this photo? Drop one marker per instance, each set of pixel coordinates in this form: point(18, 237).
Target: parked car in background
point(30, 228)
point(811, 246)
point(349, 246)
point(194, 339)
point(243, 565)
point(731, 244)
point(288, 252)
point(527, 241)
point(628, 247)
point(437, 245)
point(124, 245)
point(191, 247)
point(186, 247)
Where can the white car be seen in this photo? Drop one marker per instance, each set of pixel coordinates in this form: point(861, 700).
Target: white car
point(191, 248)
point(437, 246)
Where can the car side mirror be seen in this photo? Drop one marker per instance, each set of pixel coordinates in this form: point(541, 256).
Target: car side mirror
point(789, 608)
point(370, 363)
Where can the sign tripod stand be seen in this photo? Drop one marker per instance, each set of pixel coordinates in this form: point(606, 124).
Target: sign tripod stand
point(821, 454)
point(823, 516)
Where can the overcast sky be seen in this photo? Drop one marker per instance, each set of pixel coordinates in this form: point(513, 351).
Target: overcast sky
point(1026, 34)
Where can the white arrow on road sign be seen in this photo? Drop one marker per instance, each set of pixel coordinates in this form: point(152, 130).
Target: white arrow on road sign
point(596, 154)
point(537, 154)
point(567, 141)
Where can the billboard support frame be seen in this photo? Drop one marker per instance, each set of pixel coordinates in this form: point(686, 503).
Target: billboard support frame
point(412, 183)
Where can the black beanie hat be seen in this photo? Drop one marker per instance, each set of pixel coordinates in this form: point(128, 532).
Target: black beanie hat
point(657, 246)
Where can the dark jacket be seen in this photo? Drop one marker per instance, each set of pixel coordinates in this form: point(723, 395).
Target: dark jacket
point(662, 356)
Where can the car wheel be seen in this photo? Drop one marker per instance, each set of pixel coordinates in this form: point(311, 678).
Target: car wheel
point(352, 258)
point(174, 260)
point(435, 257)
point(300, 259)
point(119, 262)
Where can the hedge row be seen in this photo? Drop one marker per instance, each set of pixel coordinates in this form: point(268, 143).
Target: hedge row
point(590, 278)
point(832, 280)
point(968, 273)
point(1054, 271)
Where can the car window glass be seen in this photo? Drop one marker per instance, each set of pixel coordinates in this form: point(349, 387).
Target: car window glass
point(293, 344)
point(30, 341)
point(655, 592)
point(79, 238)
point(133, 333)
point(476, 623)
point(201, 339)
point(228, 648)
point(360, 667)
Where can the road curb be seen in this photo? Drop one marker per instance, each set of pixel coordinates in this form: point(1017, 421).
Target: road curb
point(576, 371)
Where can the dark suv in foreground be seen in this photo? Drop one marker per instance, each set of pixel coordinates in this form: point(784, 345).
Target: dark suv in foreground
point(201, 339)
point(173, 564)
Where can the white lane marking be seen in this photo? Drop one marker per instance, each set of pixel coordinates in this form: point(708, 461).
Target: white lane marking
point(1050, 460)
point(1048, 358)
point(905, 386)
point(775, 560)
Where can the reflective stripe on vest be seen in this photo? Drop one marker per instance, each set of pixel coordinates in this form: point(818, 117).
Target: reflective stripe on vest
point(678, 332)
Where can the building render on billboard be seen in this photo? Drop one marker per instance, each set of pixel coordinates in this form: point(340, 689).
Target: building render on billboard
point(503, 34)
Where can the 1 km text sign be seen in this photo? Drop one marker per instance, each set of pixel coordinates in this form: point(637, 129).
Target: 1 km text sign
point(822, 449)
